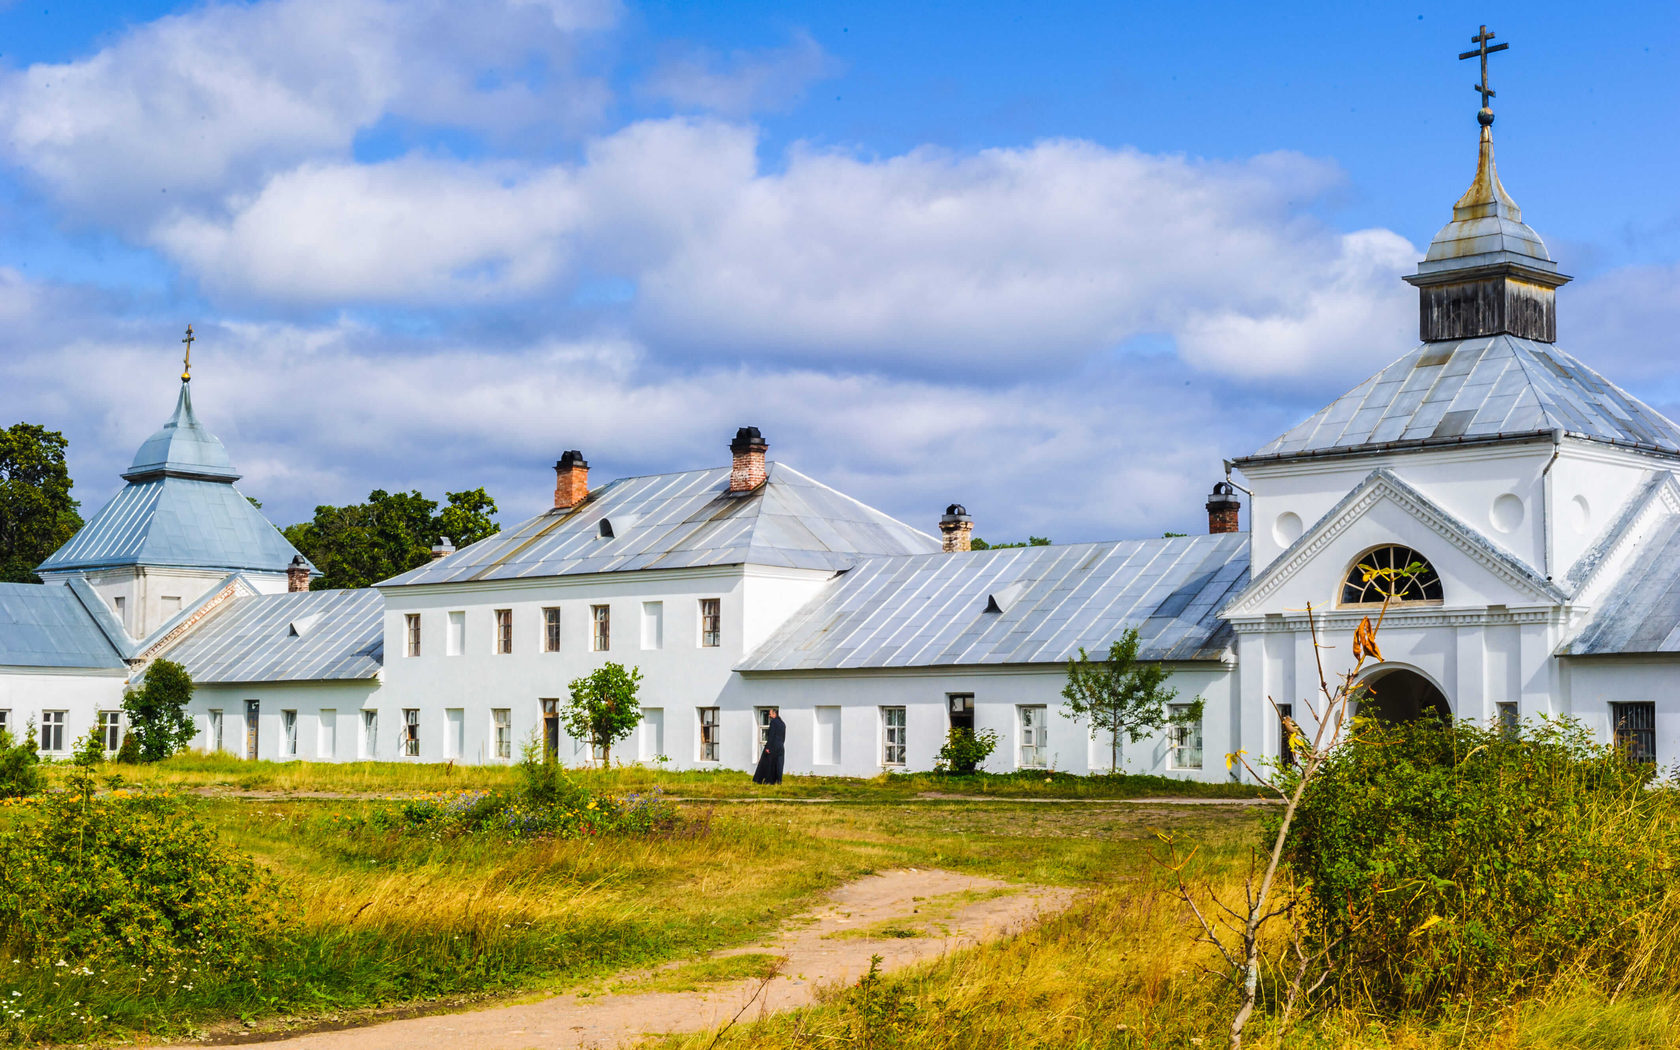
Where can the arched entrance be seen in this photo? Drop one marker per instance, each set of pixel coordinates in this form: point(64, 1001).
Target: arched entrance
point(1399, 695)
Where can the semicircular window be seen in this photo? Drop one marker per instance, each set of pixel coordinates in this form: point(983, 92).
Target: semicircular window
point(1398, 571)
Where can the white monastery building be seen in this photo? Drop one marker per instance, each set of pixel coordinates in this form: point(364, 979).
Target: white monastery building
point(1543, 499)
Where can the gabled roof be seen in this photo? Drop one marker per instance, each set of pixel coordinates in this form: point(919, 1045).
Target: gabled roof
point(1483, 389)
point(297, 637)
point(1046, 602)
point(1641, 610)
point(684, 520)
point(46, 625)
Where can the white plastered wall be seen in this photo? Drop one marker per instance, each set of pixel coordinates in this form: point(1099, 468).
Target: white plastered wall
point(81, 694)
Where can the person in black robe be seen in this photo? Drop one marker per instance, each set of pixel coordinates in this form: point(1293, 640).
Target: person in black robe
point(769, 769)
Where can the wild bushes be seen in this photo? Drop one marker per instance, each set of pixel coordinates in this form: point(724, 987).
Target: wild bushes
point(20, 766)
point(1449, 861)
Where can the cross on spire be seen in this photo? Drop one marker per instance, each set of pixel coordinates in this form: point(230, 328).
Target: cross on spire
point(1485, 116)
point(186, 362)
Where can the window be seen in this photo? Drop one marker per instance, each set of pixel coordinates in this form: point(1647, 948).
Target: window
point(600, 628)
point(1510, 720)
point(1286, 753)
point(551, 630)
point(711, 622)
point(501, 718)
point(653, 625)
point(213, 731)
point(110, 730)
point(326, 736)
point(1185, 738)
point(411, 732)
point(370, 733)
point(708, 734)
point(288, 733)
point(411, 622)
point(455, 642)
point(504, 630)
point(551, 727)
point(119, 605)
point(171, 605)
point(454, 732)
point(1635, 729)
point(959, 707)
point(1373, 576)
point(893, 736)
point(5, 720)
point(52, 730)
point(1033, 729)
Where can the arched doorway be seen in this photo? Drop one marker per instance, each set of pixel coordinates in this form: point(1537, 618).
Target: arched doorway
point(1399, 695)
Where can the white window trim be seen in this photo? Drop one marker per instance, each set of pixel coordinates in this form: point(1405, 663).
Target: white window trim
point(1042, 732)
point(1175, 733)
point(886, 736)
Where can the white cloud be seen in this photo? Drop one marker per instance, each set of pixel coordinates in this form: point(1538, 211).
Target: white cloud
point(773, 80)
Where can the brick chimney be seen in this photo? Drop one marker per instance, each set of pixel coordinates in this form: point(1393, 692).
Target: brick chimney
point(297, 574)
point(956, 527)
point(442, 548)
point(747, 471)
point(1222, 508)
point(571, 480)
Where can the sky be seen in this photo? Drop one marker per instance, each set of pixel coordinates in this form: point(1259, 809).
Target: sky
point(1051, 261)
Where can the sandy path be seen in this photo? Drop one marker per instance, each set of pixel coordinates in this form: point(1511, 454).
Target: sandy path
point(814, 959)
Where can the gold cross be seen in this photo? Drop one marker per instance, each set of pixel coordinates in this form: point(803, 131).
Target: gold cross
point(186, 362)
point(1483, 51)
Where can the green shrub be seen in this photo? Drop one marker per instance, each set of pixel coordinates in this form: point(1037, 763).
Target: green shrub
point(1448, 861)
point(157, 711)
point(129, 753)
point(20, 765)
point(964, 750)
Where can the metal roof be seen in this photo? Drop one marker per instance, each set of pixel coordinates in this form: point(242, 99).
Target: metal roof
point(1641, 611)
point(684, 520)
point(46, 625)
point(932, 610)
point(182, 446)
point(1486, 225)
point(1480, 389)
point(298, 637)
point(178, 522)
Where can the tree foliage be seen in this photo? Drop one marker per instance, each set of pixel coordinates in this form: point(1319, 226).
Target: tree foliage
point(157, 711)
point(1121, 694)
point(965, 750)
point(359, 544)
point(603, 708)
point(978, 544)
point(37, 515)
point(20, 765)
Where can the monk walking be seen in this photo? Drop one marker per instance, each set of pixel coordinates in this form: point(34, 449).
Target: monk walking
point(769, 769)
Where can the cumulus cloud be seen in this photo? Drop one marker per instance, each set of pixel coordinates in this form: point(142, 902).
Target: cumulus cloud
point(745, 82)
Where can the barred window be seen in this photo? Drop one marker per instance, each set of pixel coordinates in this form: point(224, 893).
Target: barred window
point(1635, 729)
point(1398, 571)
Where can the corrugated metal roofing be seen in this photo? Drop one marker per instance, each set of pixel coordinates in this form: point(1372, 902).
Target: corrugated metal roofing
point(931, 610)
point(666, 521)
point(1477, 389)
point(176, 521)
point(46, 625)
point(338, 635)
point(1641, 611)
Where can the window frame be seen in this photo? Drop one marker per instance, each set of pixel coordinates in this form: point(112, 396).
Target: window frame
point(411, 732)
point(551, 628)
point(214, 730)
point(501, 731)
point(600, 628)
point(411, 625)
point(52, 731)
point(895, 736)
point(110, 730)
point(710, 742)
point(289, 732)
point(711, 623)
point(1425, 582)
point(1507, 715)
point(1027, 731)
point(504, 632)
point(5, 720)
point(1637, 741)
point(1178, 741)
point(370, 732)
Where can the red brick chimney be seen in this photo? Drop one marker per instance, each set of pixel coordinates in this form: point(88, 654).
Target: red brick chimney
point(297, 574)
point(957, 528)
point(1223, 508)
point(571, 480)
point(747, 471)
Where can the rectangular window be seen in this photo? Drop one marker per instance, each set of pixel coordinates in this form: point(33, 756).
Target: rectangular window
point(893, 736)
point(711, 622)
point(213, 732)
point(653, 625)
point(501, 718)
point(5, 720)
point(455, 642)
point(1635, 729)
point(326, 737)
point(110, 730)
point(1186, 739)
point(288, 733)
point(551, 727)
point(708, 734)
point(504, 630)
point(454, 732)
point(411, 623)
point(52, 730)
point(600, 628)
point(119, 605)
point(551, 630)
point(1510, 720)
point(826, 750)
point(411, 732)
point(761, 718)
point(370, 733)
point(1033, 729)
point(1286, 754)
point(959, 707)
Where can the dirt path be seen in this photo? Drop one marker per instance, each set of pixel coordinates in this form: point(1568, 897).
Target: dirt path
point(903, 916)
point(266, 795)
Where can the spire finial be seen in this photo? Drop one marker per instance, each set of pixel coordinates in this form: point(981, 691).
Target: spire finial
point(186, 362)
point(1484, 116)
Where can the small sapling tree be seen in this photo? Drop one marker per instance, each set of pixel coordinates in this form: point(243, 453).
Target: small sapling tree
point(1122, 694)
point(603, 708)
point(20, 765)
point(157, 711)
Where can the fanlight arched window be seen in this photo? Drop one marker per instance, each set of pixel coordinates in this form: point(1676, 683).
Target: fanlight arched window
point(1400, 571)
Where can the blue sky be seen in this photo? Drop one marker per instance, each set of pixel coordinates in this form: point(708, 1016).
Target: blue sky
point(934, 251)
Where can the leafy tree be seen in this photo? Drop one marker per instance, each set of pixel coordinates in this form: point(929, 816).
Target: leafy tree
point(603, 708)
point(362, 543)
point(1122, 694)
point(978, 544)
point(157, 711)
point(965, 750)
point(20, 765)
point(37, 515)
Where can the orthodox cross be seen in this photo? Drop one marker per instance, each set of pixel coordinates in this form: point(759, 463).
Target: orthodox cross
point(186, 362)
point(1483, 51)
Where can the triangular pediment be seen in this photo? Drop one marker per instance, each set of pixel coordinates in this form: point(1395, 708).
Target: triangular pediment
point(1600, 565)
point(1384, 509)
